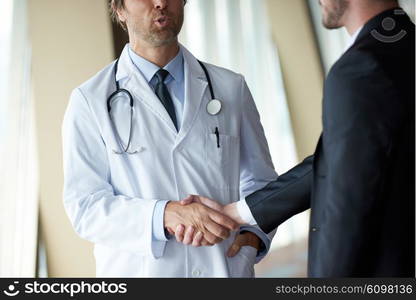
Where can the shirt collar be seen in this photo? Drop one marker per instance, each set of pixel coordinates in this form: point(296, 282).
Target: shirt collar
point(353, 37)
point(356, 33)
point(149, 69)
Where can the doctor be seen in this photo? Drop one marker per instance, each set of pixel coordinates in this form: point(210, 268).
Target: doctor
point(150, 129)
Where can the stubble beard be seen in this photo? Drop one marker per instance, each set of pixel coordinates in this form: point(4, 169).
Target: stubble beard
point(158, 37)
point(332, 18)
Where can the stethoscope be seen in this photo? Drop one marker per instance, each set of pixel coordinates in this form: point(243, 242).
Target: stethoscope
point(213, 108)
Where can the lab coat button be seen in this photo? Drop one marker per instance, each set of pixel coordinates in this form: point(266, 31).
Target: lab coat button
point(196, 273)
point(314, 229)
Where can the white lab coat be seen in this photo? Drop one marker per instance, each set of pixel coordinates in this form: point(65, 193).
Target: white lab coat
point(110, 198)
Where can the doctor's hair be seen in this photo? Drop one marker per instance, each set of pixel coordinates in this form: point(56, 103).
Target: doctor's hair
point(115, 5)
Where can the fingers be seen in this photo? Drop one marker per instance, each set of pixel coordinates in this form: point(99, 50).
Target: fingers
point(211, 238)
point(204, 242)
point(214, 226)
point(199, 199)
point(197, 239)
point(189, 235)
point(171, 232)
point(223, 220)
point(217, 230)
point(233, 250)
point(210, 203)
point(179, 233)
point(236, 245)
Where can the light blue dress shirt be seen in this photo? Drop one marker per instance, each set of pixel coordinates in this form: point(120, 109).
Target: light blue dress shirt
point(174, 81)
point(176, 86)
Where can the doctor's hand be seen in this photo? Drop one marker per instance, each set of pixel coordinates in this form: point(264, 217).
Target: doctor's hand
point(196, 217)
point(190, 236)
point(229, 210)
point(246, 238)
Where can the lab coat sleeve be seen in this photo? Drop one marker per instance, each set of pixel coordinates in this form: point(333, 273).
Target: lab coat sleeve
point(158, 230)
point(256, 169)
point(95, 212)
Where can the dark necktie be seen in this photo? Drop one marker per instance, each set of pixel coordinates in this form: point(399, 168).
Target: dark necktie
point(163, 94)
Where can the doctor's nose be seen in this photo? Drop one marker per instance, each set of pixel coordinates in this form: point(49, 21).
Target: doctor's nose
point(160, 4)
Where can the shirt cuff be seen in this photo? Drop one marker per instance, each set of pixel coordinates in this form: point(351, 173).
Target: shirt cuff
point(158, 230)
point(245, 213)
point(263, 237)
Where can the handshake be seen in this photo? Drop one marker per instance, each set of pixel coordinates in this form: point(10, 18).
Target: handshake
point(200, 221)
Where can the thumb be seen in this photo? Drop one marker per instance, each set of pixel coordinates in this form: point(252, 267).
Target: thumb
point(211, 203)
point(234, 248)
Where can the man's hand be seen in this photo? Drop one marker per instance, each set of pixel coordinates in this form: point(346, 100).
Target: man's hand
point(197, 239)
point(246, 238)
point(208, 223)
point(229, 210)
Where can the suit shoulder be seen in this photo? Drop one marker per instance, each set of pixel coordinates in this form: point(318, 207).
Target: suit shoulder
point(360, 79)
point(355, 62)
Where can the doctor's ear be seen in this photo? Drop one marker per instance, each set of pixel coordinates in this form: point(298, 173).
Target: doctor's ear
point(117, 11)
point(121, 18)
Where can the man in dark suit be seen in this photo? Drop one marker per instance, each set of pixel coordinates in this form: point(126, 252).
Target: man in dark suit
point(360, 182)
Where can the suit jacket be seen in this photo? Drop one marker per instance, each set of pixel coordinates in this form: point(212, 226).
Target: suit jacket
point(360, 183)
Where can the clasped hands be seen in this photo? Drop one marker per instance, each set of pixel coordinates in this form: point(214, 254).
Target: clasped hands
point(200, 221)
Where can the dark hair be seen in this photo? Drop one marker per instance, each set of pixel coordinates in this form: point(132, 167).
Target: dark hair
point(115, 5)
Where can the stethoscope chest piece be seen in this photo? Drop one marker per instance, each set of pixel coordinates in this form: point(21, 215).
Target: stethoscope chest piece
point(214, 107)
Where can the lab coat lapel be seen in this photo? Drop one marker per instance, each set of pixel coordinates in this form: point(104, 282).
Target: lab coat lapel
point(140, 89)
point(195, 86)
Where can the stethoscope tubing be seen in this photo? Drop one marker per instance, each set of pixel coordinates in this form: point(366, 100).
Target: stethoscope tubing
point(131, 100)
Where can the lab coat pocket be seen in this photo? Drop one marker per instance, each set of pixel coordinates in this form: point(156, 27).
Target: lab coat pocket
point(221, 157)
point(242, 264)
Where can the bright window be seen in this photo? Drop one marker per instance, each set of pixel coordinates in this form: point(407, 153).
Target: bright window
point(235, 34)
point(18, 176)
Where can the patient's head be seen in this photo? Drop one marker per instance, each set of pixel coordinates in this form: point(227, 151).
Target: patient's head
point(335, 13)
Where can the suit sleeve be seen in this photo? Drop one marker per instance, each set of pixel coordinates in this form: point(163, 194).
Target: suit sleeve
point(283, 198)
point(357, 140)
point(256, 167)
point(95, 212)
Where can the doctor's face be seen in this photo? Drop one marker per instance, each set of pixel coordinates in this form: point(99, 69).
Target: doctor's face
point(155, 22)
point(332, 12)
